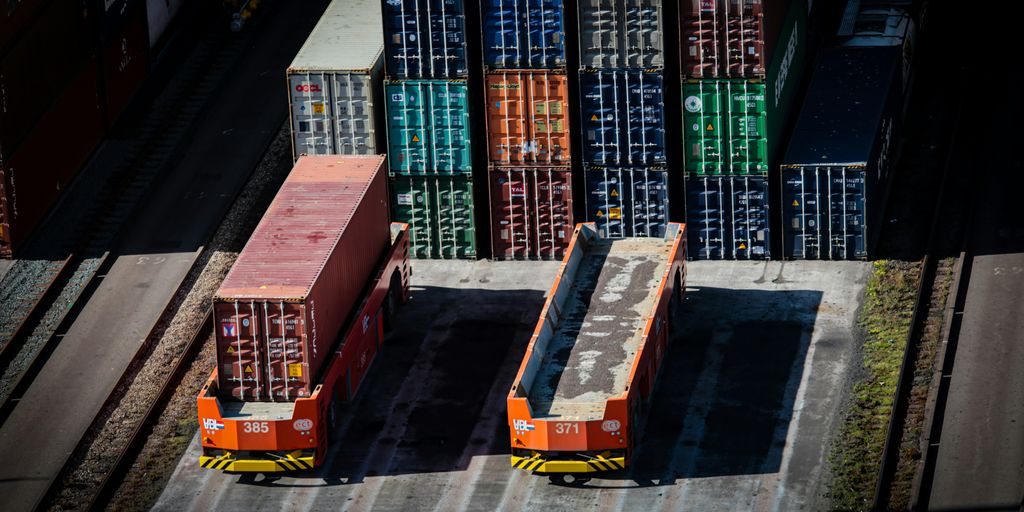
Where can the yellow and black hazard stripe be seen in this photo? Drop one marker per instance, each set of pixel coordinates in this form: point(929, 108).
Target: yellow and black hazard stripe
point(293, 464)
point(216, 462)
point(600, 463)
point(528, 464)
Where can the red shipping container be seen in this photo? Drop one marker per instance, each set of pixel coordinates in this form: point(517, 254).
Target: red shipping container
point(531, 212)
point(34, 175)
point(15, 17)
point(527, 117)
point(286, 299)
point(124, 65)
point(744, 31)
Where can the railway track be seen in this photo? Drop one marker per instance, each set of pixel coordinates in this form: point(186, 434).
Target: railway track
point(52, 290)
point(125, 458)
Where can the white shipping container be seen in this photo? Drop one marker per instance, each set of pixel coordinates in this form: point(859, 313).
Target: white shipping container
point(335, 83)
point(159, 14)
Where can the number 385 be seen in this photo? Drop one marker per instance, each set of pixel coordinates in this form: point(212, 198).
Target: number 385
point(256, 427)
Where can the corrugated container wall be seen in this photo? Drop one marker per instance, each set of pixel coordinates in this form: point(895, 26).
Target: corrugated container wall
point(279, 311)
point(730, 38)
point(735, 126)
point(627, 202)
point(622, 113)
point(439, 211)
point(335, 83)
point(428, 127)
point(836, 173)
point(16, 17)
point(124, 63)
point(531, 212)
point(523, 34)
point(425, 39)
point(33, 176)
point(728, 217)
point(621, 34)
point(527, 117)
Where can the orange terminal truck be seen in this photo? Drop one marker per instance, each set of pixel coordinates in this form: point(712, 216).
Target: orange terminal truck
point(582, 393)
point(301, 315)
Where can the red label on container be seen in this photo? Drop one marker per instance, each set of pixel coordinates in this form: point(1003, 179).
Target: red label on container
point(517, 189)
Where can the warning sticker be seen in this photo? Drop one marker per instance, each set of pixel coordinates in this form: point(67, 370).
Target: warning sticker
point(230, 350)
point(248, 368)
point(318, 108)
point(743, 246)
point(796, 203)
point(415, 138)
point(614, 213)
point(614, 193)
point(710, 128)
point(295, 370)
point(600, 213)
point(593, 117)
point(404, 199)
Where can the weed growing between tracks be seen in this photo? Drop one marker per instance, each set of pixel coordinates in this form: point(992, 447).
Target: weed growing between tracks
point(885, 319)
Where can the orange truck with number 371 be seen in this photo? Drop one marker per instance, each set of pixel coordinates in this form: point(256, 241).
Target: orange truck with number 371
point(582, 393)
point(301, 315)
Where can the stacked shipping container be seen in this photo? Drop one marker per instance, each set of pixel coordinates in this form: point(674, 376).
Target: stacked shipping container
point(742, 62)
point(837, 170)
point(335, 83)
point(527, 92)
point(622, 116)
point(428, 125)
point(96, 56)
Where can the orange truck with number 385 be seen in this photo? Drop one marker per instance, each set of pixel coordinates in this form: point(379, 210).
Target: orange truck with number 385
point(301, 315)
point(582, 392)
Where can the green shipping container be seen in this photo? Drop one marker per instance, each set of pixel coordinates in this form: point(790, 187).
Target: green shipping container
point(439, 211)
point(428, 127)
point(734, 126)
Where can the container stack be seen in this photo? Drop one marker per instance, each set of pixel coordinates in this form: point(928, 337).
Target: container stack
point(836, 173)
point(527, 92)
point(335, 83)
point(428, 125)
point(622, 116)
point(742, 63)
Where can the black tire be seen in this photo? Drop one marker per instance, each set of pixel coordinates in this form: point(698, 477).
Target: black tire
point(391, 301)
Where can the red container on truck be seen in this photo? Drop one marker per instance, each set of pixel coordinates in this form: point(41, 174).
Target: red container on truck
point(301, 315)
point(577, 402)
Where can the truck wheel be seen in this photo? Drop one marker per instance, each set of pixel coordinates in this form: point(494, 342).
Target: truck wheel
point(391, 301)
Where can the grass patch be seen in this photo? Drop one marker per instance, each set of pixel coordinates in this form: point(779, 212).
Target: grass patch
point(885, 320)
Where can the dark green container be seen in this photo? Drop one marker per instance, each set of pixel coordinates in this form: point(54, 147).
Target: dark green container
point(734, 126)
point(439, 211)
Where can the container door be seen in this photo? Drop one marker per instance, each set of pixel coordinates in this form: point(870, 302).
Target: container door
point(552, 209)
point(604, 201)
point(642, 34)
point(700, 37)
point(241, 352)
point(288, 367)
point(645, 126)
point(622, 117)
point(311, 114)
point(703, 124)
point(648, 207)
point(705, 217)
point(410, 205)
point(548, 142)
point(510, 212)
point(447, 37)
point(448, 133)
point(456, 232)
point(506, 118)
point(403, 44)
point(545, 35)
point(847, 227)
point(744, 38)
point(502, 48)
point(599, 109)
point(599, 34)
point(749, 217)
point(353, 116)
point(802, 226)
point(748, 145)
point(407, 127)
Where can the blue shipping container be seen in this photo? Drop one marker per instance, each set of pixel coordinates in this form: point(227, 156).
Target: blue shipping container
point(523, 34)
point(825, 207)
point(428, 127)
point(425, 39)
point(623, 118)
point(727, 217)
point(626, 202)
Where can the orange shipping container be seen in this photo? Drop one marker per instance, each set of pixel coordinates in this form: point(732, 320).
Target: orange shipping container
point(527, 117)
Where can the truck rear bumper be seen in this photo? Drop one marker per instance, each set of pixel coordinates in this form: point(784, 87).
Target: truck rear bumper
point(228, 462)
point(538, 463)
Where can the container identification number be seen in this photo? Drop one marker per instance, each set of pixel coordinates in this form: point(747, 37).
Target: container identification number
point(256, 427)
point(567, 428)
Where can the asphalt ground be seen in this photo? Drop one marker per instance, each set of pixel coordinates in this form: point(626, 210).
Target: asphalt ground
point(155, 252)
point(5, 265)
point(980, 459)
point(742, 417)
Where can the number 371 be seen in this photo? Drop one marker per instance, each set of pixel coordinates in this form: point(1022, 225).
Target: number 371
point(567, 428)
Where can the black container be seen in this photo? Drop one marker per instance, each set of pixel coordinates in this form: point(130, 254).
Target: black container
point(837, 169)
point(622, 117)
point(627, 201)
point(727, 217)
